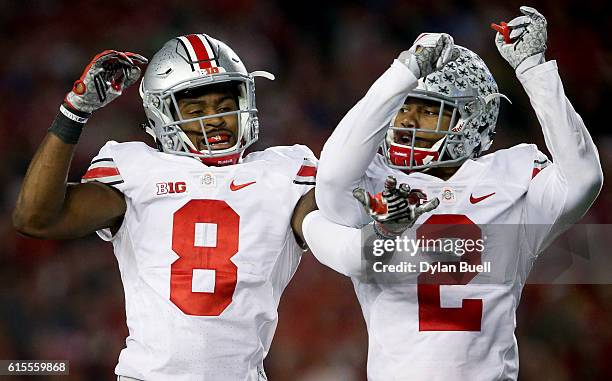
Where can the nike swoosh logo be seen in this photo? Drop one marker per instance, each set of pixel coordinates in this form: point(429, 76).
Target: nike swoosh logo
point(475, 200)
point(234, 187)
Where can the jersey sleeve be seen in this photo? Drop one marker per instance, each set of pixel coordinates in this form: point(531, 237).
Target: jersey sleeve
point(539, 163)
point(562, 190)
point(297, 162)
point(305, 177)
point(104, 169)
point(307, 173)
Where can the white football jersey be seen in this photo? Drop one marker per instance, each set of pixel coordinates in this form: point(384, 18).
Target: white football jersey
point(462, 329)
point(204, 254)
point(450, 325)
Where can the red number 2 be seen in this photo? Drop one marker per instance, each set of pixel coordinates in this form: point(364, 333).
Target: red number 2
point(432, 316)
point(215, 257)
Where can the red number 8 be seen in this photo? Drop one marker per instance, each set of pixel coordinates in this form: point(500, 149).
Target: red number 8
point(212, 258)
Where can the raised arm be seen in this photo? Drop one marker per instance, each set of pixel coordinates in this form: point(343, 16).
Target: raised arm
point(353, 144)
point(575, 177)
point(48, 207)
point(565, 189)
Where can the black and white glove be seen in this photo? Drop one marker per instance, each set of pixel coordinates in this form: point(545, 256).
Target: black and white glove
point(522, 41)
point(396, 208)
point(429, 53)
point(104, 79)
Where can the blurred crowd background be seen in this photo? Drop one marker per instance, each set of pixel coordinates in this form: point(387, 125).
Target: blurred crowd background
point(64, 300)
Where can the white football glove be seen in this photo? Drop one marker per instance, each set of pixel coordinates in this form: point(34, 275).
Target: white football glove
point(429, 53)
point(104, 79)
point(522, 41)
point(396, 208)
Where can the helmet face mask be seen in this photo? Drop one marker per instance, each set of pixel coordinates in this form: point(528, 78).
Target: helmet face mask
point(174, 140)
point(193, 63)
point(465, 86)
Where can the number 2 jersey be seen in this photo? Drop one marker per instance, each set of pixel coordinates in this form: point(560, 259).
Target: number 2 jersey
point(458, 325)
point(204, 254)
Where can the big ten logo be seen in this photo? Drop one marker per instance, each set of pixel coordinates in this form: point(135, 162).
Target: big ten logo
point(171, 187)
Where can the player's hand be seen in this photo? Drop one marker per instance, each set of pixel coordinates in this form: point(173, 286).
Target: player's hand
point(104, 79)
point(522, 41)
point(396, 208)
point(429, 53)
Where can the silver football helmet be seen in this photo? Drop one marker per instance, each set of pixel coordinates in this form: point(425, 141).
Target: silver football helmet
point(466, 86)
point(189, 62)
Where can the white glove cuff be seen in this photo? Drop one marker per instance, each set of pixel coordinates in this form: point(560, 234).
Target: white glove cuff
point(530, 62)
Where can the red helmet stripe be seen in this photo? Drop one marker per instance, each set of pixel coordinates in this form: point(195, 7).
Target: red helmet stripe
point(200, 50)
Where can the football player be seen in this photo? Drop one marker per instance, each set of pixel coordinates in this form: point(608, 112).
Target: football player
point(205, 240)
point(443, 112)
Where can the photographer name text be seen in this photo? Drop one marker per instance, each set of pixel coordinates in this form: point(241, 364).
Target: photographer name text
point(432, 268)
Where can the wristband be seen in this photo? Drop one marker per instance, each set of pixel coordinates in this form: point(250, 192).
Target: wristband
point(72, 114)
point(68, 124)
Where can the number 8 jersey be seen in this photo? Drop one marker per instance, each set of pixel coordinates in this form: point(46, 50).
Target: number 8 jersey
point(204, 255)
